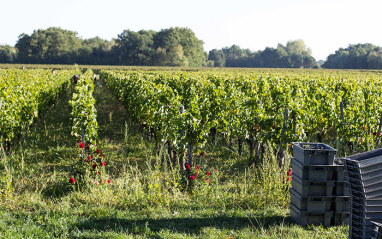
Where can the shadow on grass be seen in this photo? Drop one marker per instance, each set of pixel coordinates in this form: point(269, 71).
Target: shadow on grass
point(57, 190)
point(182, 225)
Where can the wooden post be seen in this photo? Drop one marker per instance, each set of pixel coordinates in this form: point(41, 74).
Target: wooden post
point(281, 150)
point(83, 139)
point(251, 147)
point(189, 159)
point(343, 122)
point(170, 152)
point(240, 142)
point(181, 156)
point(213, 135)
point(379, 133)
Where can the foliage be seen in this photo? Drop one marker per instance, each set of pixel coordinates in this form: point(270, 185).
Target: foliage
point(7, 54)
point(143, 200)
point(175, 46)
point(50, 46)
point(293, 55)
point(169, 47)
point(357, 56)
point(89, 167)
point(251, 106)
point(24, 94)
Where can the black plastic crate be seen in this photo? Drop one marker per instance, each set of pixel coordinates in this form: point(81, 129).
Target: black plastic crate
point(367, 161)
point(366, 214)
point(354, 235)
point(362, 195)
point(366, 202)
point(339, 173)
point(340, 218)
point(364, 220)
point(367, 208)
point(376, 231)
point(317, 173)
point(354, 172)
point(309, 203)
point(375, 234)
point(355, 232)
point(341, 204)
point(365, 187)
point(311, 188)
point(314, 153)
point(377, 226)
point(359, 191)
point(341, 189)
point(310, 218)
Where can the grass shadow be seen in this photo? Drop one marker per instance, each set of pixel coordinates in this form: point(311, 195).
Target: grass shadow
point(185, 225)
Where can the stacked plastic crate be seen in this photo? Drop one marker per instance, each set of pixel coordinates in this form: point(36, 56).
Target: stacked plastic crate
point(364, 174)
point(376, 232)
point(319, 193)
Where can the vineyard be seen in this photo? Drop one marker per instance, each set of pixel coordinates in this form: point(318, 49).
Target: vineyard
point(254, 107)
point(25, 94)
point(170, 153)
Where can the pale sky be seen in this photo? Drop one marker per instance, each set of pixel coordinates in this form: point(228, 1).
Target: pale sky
point(324, 25)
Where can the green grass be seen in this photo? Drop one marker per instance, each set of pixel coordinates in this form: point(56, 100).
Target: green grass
point(144, 199)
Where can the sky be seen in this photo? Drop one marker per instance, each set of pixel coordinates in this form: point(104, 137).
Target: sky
point(324, 25)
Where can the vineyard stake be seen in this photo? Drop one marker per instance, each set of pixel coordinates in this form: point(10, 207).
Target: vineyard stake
point(343, 122)
point(379, 132)
point(190, 154)
point(182, 167)
point(281, 150)
point(83, 138)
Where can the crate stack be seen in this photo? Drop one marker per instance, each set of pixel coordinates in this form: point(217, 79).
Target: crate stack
point(376, 232)
point(364, 174)
point(319, 193)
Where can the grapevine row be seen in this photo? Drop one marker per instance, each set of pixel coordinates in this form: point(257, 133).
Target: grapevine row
point(252, 105)
point(24, 94)
point(89, 167)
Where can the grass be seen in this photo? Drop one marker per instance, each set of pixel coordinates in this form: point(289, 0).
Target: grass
point(144, 199)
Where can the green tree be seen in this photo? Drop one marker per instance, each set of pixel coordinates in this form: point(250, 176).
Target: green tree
point(358, 56)
point(297, 47)
point(218, 57)
point(374, 59)
point(24, 51)
point(96, 51)
point(170, 39)
point(135, 48)
point(7, 54)
point(50, 46)
point(235, 56)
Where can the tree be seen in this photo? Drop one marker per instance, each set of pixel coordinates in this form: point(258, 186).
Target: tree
point(175, 57)
point(358, 56)
point(50, 46)
point(24, 50)
point(297, 47)
point(7, 54)
point(96, 51)
point(135, 48)
point(170, 39)
point(271, 57)
point(235, 56)
point(374, 59)
point(310, 62)
point(218, 57)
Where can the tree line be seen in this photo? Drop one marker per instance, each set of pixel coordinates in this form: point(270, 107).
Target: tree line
point(174, 46)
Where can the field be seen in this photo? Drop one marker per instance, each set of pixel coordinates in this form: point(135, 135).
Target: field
point(148, 195)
